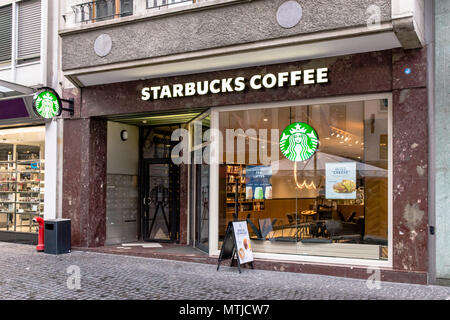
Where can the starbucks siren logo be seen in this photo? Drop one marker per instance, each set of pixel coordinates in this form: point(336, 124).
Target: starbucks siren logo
point(298, 141)
point(47, 105)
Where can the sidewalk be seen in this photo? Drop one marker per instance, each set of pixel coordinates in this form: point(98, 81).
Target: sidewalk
point(27, 274)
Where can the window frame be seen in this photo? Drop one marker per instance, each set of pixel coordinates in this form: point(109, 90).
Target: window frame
point(214, 181)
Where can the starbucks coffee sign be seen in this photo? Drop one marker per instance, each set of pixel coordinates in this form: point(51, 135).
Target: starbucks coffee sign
point(237, 84)
point(47, 104)
point(299, 141)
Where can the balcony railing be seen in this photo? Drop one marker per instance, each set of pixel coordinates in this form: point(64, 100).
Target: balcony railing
point(100, 10)
point(157, 4)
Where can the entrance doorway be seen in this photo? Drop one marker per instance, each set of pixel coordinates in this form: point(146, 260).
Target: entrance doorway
point(143, 183)
point(160, 184)
point(160, 219)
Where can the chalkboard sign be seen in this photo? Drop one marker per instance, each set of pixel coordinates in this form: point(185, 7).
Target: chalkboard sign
point(236, 245)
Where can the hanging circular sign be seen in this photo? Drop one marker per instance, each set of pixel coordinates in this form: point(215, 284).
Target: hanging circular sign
point(298, 141)
point(47, 104)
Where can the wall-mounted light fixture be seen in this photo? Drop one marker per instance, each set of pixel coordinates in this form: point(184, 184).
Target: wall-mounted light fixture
point(124, 135)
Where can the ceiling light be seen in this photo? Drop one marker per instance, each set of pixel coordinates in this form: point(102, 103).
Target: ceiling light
point(338, 135)
point(265, 119)
point(36, 129)
point(346, 139)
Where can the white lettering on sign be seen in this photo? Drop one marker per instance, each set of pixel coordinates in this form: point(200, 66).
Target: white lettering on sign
point(239, 84)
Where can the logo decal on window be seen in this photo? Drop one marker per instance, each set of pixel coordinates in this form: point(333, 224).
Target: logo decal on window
point(298, 141)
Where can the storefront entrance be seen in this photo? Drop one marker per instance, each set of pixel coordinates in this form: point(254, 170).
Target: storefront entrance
point(144, 197)
point(160, 203)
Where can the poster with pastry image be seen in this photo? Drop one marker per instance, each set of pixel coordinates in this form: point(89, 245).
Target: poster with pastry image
point(340, 180)
point(243, 245)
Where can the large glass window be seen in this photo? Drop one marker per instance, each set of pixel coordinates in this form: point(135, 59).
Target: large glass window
point(334, 203)
point(21, 178)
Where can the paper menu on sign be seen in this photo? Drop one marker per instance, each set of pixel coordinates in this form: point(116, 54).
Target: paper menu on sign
point(340, 180)
point(242, 238)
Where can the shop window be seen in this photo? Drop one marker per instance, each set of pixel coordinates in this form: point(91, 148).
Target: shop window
point(334, 203)
point(21, 178)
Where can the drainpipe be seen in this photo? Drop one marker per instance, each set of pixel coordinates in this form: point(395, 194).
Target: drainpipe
point(430, 43)
point(44, 42)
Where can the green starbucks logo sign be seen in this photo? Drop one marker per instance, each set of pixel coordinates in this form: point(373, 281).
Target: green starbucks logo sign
point(47, 104)
point(298, 141)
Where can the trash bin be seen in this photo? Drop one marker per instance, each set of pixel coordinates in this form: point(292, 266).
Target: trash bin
point(57, 236)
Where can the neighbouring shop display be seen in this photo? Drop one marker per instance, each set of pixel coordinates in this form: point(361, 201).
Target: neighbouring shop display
point(21, 187)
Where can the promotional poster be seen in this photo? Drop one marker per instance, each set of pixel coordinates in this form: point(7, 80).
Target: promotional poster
point(340, 180)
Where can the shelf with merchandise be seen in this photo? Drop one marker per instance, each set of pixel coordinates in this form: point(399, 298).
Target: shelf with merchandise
point(22, 187)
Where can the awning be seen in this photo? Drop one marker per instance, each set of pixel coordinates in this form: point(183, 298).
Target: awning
point(16, 103)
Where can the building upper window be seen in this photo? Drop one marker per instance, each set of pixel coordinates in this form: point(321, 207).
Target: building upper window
point(5, 33)
point(29, 31)
point(100, 10)
point(165, 3)
point(22, 43)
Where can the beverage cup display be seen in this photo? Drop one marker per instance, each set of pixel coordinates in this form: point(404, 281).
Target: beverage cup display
point(259, 193)
point(248, 193)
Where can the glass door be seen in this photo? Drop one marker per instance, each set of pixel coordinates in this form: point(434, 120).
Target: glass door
point(202, 206)
point(161, 212)
point(200, 181)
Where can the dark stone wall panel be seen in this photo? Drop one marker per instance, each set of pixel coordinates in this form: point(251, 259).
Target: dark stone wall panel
point(84, 180)
point(416, 61)
point(97, 183)
point(351, 74)
point(72, 178)
point(410, 174)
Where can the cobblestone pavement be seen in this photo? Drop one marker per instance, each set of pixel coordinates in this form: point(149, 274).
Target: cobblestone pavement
point(27, 274)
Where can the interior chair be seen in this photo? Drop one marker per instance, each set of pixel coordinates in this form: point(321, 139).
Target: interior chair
point(344, 231)
point(372, 239)
point(261, 233)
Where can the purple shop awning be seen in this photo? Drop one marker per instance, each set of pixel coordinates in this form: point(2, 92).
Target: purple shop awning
point(13, 108)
